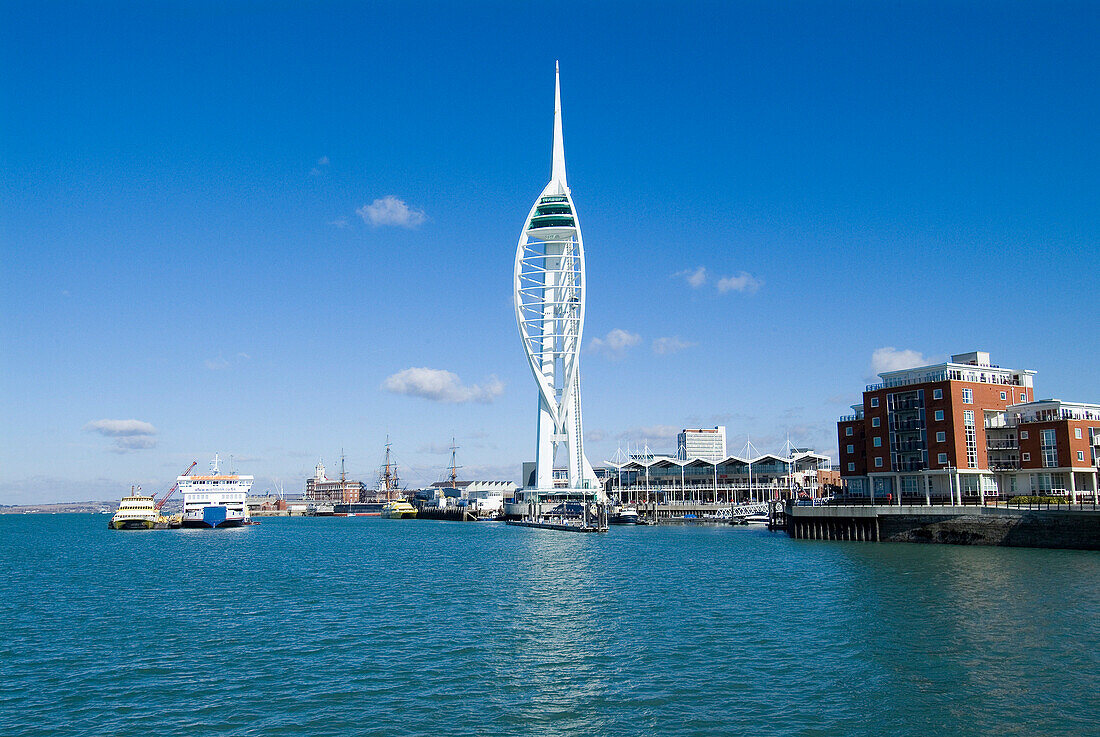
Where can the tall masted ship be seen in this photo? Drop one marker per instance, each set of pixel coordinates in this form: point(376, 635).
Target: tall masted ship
point(215, 500)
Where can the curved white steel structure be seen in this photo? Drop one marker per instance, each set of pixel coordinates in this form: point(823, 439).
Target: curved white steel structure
point(549, 293)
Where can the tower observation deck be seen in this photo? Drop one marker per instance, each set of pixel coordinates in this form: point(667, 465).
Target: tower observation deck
point(549, 295)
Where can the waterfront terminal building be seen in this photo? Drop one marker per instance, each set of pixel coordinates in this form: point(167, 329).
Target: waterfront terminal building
point(967, 430)
point(666, 480)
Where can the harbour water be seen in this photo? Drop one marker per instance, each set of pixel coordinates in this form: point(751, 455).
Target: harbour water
point(364, 626)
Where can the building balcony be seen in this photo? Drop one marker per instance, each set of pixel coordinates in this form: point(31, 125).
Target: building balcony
point(1051, 415)
point(907, 405)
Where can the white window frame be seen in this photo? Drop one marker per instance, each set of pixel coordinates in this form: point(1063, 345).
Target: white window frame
point(1080, 455)
point(877, 442)
point(1023, 435)
point(878, 462)
point(942, 459)
point(939, 415)
point(937, 394)
point(1077, 433)
point(848, 432)
point(851, 467)
point(967, 395)
point(851, 448)
point(874, 401)
point(1025, 456)
point(876, 421)
point(941, 437)
point(1004, 395)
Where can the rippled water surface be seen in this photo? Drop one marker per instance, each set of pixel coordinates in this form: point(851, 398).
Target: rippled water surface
point(379, 627)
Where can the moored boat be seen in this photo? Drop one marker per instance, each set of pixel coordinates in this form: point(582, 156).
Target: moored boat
point(215, 500)
point(135, 512)
point(624, 516)
point(398, 509)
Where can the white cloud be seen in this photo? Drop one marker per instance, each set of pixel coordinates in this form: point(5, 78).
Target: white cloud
point(129, 435)
point(673, 344)
point(221, 363)
point(615, 344)
point(892, 359)
point(440, 385)
point(125, 445)
point(694, 277)
point(340, 222)
point(391, 211)
point(120, 428)
point(321, 162)
point(650, 432)
point(741, 282)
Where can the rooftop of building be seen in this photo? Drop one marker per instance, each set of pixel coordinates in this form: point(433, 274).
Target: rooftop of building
point(797, 457)
point(973, 367)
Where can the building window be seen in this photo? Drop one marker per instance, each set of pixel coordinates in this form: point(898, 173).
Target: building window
point(874, 401)
point(939, 415)
point(968, 396)
point(876, 421)
point(1004, 395)
point(851, 466)
point(878, 442)
point(1023, 435)
point(942, 459)
point(941, 437)
point(937, 394)
point(848, 432)
point(851, 449)
point(1026, 456)
point(1077, 433)
point(878, 463)
point(1023, 397)
point(1049, 447)
point(1080, 455)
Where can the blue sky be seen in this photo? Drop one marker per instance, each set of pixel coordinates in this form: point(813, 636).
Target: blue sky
point(186, 241)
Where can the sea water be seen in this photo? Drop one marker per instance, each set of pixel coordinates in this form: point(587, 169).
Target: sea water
point(324, 626)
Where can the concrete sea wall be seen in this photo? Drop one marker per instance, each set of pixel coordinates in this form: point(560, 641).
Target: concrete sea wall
point(958, 525)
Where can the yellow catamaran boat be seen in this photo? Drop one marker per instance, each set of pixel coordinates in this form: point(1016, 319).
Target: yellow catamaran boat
point(135, 512)
point(399, 509)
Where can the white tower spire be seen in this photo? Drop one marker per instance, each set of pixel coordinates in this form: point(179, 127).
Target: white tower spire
point(557, 174)
point(549, 291)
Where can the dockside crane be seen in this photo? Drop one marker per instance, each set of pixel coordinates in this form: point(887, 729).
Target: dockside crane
point(175, 486)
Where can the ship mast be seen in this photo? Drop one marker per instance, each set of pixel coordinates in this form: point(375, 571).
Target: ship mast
point(454, 468)
point(386, 478)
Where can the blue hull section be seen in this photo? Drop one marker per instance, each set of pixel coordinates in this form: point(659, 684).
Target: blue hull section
point(213, 518)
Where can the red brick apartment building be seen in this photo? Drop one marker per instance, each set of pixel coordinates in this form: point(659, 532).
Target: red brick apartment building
point(967, 428)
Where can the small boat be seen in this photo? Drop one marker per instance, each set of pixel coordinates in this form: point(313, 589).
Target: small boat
point(399, 509)
point(624, 516)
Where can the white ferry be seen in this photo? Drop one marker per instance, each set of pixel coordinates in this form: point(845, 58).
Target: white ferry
point(215, 500)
